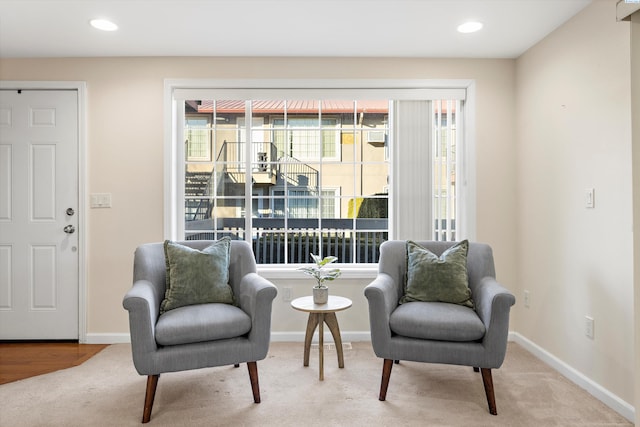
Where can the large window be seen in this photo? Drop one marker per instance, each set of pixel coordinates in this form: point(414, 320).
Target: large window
point(330, 176)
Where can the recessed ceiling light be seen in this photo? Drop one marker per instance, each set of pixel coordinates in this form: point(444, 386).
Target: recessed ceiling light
point(103, 24)
point(470, 27)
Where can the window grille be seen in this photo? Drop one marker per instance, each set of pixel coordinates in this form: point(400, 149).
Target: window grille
point(295, 181)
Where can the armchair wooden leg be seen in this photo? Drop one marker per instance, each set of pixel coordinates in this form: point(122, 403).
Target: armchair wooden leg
point(386, 374)
point(253, 376)
point(488, 389)
point(152, 383)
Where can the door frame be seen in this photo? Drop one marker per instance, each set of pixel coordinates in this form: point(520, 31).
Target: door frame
point(81, 88)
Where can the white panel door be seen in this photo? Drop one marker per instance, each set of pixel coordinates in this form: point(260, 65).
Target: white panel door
point(39, 273)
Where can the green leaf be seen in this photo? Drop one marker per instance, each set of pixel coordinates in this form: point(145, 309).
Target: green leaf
point(317, 272)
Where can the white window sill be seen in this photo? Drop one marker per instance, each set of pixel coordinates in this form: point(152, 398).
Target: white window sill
point(365, 271)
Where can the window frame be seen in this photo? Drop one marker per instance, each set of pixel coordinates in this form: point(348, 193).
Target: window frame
point(177, 90)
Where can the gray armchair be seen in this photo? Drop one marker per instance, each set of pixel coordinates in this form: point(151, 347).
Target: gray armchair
point(197, 336)
point(437, 332)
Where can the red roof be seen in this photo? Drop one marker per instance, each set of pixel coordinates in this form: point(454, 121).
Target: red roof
point(296, 106)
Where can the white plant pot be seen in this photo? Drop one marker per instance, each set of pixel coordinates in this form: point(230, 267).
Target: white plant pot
point(320, 295)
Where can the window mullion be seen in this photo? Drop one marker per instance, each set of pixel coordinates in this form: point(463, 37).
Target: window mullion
point(438, 170)
point(319, 185)
point(357, 130)
point(450, 165)
point(286, 164)
point(179, 178)
point(248, 190)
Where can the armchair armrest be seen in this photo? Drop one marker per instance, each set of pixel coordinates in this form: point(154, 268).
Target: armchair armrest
point(256, 298)
point(493, 303)
point(490, 296)
point(143, 303)
point(382, 295)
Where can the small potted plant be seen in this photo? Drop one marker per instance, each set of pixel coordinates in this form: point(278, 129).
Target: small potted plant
point(322, 275)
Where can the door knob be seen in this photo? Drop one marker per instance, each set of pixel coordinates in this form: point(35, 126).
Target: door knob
point(69, 229)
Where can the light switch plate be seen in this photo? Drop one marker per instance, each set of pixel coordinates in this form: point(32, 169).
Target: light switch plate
point(100, 200)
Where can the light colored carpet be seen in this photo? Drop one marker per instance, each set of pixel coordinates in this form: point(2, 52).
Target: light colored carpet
point(107, 391)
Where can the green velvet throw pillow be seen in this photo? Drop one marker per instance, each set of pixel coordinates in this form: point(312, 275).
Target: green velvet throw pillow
point(437, 279)
point(197, 277)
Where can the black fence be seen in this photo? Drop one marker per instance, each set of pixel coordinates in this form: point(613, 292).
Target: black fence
point(275, 244)
point(278, 242)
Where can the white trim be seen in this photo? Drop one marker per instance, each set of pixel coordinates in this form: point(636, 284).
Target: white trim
point(596, 390)
point(83, 222)
point(83, 218)
point(320, 88)
point(624, 10)
point(364, 88)
point(105, 338)
point(171, 223)
point(466, 180)
point(349, 271)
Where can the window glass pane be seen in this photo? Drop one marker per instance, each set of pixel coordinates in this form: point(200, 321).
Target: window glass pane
point(301, 206)
point(269, 245)
point(367, 245)
point(337, 242)
point(373, 208)
point(375, 179)
point(229, 180)
point(444, 168)
point(197, 134)
point(311, 165)
point(225, 218)
point(302, 243)
point(330, 204)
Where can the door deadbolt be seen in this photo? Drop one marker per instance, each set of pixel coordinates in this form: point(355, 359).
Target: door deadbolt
point(69, 229)
point(70, 212)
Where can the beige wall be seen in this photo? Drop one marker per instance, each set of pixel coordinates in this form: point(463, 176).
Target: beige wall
point(125, 157)
point(574, 132)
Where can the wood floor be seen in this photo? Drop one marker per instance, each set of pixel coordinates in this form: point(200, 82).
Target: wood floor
point(25, 359)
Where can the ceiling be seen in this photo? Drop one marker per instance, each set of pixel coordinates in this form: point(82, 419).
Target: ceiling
point(321, 28)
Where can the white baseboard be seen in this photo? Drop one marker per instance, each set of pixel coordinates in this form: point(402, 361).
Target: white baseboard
point(596, 390)
point(114, 338)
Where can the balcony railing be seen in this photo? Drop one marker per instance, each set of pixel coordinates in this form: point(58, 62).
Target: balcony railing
point(275, 244)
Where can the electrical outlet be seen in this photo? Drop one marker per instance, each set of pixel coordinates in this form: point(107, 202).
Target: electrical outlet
point(286, 294)
point(589, 198)
point(588, 326)
point(527, 299)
